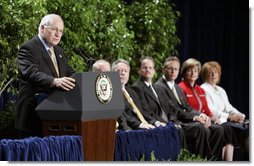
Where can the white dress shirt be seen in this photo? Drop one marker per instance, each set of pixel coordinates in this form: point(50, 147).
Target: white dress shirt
point(170, 84)
point(218, 102)
point(150, 85)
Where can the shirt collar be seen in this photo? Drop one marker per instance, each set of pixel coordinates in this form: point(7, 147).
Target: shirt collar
point(212, 86)
point(171, 84)
point(44, 43)
point(147, 83)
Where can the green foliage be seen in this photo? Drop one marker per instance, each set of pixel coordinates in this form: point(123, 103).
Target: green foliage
point(97, 26)
point(19, 22)
point(152, 157)
point(185, 155)
point(108, 29)
point(7, 117)
point(153, 23)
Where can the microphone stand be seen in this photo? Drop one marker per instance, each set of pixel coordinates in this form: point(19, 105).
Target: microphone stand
point(87, 59)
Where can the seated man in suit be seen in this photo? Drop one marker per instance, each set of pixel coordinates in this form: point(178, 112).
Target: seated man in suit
point(147, 93)
point(212, 138)
point(150, 96)
point(133, 117)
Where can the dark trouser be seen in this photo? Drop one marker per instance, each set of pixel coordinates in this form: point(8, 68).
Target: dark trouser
point(182, 137)
point(240, 140)
point(216, 141)
point(197, 137)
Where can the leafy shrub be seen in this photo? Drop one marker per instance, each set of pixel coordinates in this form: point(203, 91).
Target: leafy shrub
point(185, 155)
point(108, 29)
point(7, 117)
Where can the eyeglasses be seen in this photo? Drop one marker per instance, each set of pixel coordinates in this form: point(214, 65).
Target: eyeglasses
point(54, 29)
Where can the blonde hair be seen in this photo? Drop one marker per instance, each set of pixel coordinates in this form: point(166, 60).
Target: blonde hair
point(169, 59)
point(189, 63)
point(206, 68)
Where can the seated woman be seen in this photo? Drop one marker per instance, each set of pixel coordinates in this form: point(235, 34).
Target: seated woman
point(219, 104)
point(216, 96)
point(196, 97)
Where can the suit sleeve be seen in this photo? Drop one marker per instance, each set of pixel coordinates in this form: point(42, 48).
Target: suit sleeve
point(144, 104)
point(28, 60)
point(139, 104)
point(175, 111)
point(122, 120)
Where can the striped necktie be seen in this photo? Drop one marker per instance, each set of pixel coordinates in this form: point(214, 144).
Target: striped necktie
point(176, 95)
point(53, 58)
point(134, 107)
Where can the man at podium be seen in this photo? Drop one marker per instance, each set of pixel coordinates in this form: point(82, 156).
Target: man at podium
point(42, 69)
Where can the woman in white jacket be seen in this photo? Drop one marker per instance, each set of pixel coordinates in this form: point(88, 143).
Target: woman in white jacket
point(216, 96)
point(218, 102)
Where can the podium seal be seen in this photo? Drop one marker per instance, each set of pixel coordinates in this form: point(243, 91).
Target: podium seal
point(104, 88)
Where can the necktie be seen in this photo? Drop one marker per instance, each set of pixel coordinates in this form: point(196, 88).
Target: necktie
point(135, 108)
point(163, 114)
point(53, 58)
point(176, 95)
point(154, 92)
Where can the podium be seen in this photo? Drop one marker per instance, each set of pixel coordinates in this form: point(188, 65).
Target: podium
point(89, 110)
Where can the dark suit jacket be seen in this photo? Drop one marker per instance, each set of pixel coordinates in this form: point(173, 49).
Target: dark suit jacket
point(177, 110)
point(36, 73)
point(129, 119)
point(150, 103)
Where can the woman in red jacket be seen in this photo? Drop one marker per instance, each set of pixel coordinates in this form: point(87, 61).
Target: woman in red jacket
point(196, 97)
point(194, 93)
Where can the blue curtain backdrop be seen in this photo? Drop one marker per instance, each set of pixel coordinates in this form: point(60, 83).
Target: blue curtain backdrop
point(218, 30)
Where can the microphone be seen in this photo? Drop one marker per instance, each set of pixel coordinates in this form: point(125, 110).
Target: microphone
point(81, 52)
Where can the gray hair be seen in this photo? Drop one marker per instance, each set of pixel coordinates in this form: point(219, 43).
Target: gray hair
point(99, 63)
point(48, 20)
point(120, 61)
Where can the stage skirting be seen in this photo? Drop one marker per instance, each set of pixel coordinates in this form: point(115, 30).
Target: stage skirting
point(135, 145)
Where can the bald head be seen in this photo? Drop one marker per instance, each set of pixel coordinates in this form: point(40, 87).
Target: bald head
point(101, 66)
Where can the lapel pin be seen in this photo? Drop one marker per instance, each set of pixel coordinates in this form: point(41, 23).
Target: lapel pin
point(60, 56)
